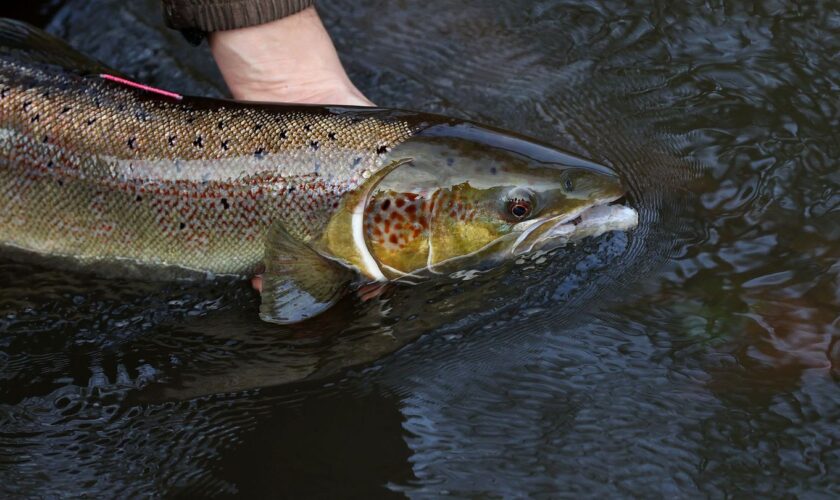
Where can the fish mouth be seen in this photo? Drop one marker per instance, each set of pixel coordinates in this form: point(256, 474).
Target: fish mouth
point(602, 216)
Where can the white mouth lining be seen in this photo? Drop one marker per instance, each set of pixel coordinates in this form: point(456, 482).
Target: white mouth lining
point(554, 221)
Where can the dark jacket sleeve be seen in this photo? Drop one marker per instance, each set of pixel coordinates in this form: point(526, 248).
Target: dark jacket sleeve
point(217, 15)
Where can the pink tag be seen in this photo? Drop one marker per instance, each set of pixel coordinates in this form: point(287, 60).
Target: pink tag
point(140, 86)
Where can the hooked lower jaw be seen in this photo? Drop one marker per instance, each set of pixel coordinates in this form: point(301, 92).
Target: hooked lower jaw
point(595, 220)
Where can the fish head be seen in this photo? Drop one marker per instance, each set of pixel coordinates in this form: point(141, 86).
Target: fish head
point(466, 196)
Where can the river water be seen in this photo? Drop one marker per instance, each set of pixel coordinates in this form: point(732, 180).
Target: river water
point(696, 356)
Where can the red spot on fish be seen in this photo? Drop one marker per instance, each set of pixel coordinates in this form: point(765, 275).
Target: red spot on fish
point(411, 209)
point(424, 222)
point(452, 214)
point(400, 202)
point(397, 216)
point(393, 239)
point(397, 226)
point(386, 204)
point(377, 218)
point(387, 226)
point(377, 231)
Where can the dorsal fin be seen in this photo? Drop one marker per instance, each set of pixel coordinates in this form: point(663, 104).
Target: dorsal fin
point(26, 43)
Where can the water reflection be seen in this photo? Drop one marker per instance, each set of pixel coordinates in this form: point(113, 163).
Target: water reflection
point(698, 355)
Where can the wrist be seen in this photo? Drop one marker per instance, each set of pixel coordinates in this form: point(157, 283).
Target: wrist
point(291, 59)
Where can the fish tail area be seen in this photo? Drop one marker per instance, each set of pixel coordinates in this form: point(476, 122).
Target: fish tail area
point(22, 42)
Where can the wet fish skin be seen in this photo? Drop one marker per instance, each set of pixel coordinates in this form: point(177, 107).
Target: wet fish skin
point(96, 170)
point(100, 170)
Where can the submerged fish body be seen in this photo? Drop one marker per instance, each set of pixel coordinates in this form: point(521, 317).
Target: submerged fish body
point(98, 170)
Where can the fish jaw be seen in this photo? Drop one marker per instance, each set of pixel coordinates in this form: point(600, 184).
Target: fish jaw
point(593, 220)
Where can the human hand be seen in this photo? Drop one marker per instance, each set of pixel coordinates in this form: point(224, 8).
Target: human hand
point(289, 60)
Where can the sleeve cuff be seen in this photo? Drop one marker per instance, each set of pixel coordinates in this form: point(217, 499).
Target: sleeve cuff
point(220, 15)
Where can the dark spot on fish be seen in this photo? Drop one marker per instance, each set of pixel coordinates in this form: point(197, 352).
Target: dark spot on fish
point(381, 150)
point(91, 121)
point(182, 225)
point(131, 141)
point(225, 145)
point(225, 203)
point(141, 115)
point(283, 135)
point(259, 153)
point(258, 127)
point(307, 127)
point(46, 93)
point(60, 182)
point(65, 109)
point(291, 189)
point(331, 135)
point(35, 118)
point(4, 92)
point(50, 164)
point(221, 124)
point(386, 204)
point(356, 161)
point(171, 140)
point(121, 107)
point(46, 139)
point(355, 119)
point(450, 162)
point(26, 105)
point(190, 119)
point(198, 142)
point(314, 145)
point(138, 198)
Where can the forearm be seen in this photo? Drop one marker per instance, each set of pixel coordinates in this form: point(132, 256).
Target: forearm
point(291, 59)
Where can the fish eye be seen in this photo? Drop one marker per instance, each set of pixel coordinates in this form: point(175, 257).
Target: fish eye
point(519, 208)
point(519, 204)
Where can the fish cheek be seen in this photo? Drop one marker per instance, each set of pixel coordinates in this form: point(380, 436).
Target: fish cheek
point(404, 258)
point(453, 236)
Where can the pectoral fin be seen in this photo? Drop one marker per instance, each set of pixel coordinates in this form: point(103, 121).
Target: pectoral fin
point(298, 283)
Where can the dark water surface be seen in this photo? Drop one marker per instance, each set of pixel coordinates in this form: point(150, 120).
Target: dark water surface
point(697, 356)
